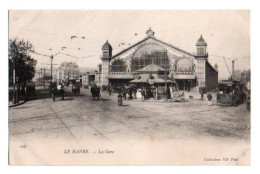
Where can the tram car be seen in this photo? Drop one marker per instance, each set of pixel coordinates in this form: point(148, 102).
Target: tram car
point(230, 93)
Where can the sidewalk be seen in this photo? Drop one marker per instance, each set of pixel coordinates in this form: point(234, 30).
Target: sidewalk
point(21, 101)
point(11, 104)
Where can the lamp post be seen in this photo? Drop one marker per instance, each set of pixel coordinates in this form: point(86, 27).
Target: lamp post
point(166, 94)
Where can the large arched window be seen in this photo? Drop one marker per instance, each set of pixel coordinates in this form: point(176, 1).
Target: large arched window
point(149, 54)
point(184, 65)
point(118, 66)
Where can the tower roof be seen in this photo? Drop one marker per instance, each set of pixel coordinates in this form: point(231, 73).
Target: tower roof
point(201, 42)
point(107, 46)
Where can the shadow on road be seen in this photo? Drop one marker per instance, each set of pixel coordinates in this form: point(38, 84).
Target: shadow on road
point(103, 99)
point(46, 94)
point(68, 98)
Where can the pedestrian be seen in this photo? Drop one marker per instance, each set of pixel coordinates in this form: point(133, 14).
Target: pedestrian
point(209, 99)
point(154, 94)
point(157, 93)
point(135, 91)
point(142, 93)
point(120, 100)
point(124, 94)
point(201, 95)
point(109, 90)
point(130, 96)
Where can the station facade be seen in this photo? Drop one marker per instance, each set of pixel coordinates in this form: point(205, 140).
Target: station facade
point(168, 62)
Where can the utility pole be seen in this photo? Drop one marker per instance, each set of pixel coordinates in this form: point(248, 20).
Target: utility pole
point(166, 79)
point(233, 69)
point(14, 61)
point(17, 90)
point(51, 67)
point(41, 77)
point(44, 77)
point(68, 77)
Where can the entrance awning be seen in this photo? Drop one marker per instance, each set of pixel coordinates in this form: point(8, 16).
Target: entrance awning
point(139, 81)
point(120, 76)
point(184, 76)
point(151, 81)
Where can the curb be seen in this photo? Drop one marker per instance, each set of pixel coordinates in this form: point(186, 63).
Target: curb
point(13, 105)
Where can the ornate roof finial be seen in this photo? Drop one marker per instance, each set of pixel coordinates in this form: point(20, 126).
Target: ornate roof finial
point(150, 32)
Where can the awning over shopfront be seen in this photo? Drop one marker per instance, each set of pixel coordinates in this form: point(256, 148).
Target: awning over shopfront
point(139, 81)
point(184, 76)
point(151, 81)
point(120, 76)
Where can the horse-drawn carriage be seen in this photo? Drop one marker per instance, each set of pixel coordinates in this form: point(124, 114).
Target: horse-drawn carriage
point(230, 93)
point(95, 93)
point(57, 91)
point(75, 89)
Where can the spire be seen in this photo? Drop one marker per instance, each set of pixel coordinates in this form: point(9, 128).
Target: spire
point(201, 41)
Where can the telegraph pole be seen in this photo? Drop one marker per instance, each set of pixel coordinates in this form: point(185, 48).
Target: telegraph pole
point(166, 79)
point(14, 61)
point(41, 77)
point(44, 77)
point(51, 67)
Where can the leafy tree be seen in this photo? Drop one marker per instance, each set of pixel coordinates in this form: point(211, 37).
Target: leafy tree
point(24, 63)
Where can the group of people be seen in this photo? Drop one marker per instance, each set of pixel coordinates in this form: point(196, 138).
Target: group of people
point(142, 93)
point(148, 93)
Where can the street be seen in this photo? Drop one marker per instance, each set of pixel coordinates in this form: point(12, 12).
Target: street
point(81, 118)
point(190, 133)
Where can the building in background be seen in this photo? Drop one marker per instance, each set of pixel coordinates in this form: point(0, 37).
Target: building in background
point(43, 75)
point(190, 71)
point(68, 73)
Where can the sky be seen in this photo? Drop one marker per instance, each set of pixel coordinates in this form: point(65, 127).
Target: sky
point(227, 33)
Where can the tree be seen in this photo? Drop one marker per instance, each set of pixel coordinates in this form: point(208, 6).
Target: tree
point(24, 63)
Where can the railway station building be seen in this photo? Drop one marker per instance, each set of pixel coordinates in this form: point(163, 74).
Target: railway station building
point(154, 62)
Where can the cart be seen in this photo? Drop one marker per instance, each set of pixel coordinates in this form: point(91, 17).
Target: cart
point(75, 89)
point(95, 93)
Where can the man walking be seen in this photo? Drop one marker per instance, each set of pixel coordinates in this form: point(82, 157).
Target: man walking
point(201, 95)
point(209, 99)
point(143, 94)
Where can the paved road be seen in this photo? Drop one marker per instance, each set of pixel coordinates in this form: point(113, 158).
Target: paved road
point(80, 118)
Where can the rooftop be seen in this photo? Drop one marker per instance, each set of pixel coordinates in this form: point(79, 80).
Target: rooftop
point(151, 68)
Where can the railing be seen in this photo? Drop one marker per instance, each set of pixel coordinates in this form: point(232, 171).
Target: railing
point(121, 73)
point(202, 54)
point(184, 73)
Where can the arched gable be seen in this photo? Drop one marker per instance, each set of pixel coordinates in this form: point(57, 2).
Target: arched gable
point(118, 65)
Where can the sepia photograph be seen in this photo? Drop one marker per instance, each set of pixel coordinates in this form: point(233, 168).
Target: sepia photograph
point(129, 87)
